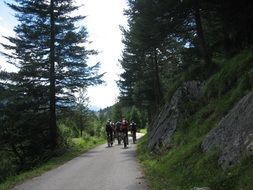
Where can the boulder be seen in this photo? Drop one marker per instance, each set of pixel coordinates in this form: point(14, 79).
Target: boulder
point(166, 123)
point(233, 135)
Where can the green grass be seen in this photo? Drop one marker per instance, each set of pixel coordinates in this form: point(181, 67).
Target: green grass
point(184, 165)
point(79, 146)
point(232, 70)
point(144, 131)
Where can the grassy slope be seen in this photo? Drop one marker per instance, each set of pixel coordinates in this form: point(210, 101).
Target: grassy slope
point(79, 146)
point(184, 165)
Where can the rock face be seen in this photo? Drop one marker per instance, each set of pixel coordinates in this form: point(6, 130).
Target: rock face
point(165, 124)
point(233, 136)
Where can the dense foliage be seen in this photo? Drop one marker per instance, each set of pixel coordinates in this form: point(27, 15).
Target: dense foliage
point(168, 42)
point(49, 50)
point(119, 111)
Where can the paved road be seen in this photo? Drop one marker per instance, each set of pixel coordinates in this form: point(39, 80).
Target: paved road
point(102, 168)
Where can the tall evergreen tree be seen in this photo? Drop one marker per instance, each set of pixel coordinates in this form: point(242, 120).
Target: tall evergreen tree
point(49, 51)
point(170, 41)
point(146, 51)
point(117, 112)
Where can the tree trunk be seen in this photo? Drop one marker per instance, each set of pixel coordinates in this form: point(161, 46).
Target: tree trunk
point(200, 33)
point(227, 45)
point(158, 92)
point(53, 126)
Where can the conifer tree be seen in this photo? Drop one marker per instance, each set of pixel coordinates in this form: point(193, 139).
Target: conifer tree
point(49, 49)
point(168, 42)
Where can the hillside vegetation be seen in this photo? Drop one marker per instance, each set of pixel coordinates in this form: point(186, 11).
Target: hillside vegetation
point(169, 44)
point(184, 165)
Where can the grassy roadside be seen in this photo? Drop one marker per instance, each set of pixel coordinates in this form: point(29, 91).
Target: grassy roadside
point(185, 167)
point(79, 146)
point(144, 131)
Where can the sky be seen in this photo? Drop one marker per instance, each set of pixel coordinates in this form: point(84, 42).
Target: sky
point(102, 21)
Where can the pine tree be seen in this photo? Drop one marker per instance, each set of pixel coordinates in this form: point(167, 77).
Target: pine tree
point(49, 51)
point(168, 42)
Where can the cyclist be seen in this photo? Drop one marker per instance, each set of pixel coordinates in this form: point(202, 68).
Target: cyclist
point(109, 132)
point(118, 131)
point(113, 131)
point(124, 128)
point(133, 127)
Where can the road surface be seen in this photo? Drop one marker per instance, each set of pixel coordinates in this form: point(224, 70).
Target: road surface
point(102, 168)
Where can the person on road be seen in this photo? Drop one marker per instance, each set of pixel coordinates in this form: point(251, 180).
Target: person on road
point(133, 128)
point(109, 132)
point(124, 129)
point(118, 131)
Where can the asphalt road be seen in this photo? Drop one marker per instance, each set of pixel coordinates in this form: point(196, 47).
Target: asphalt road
point(102, 168)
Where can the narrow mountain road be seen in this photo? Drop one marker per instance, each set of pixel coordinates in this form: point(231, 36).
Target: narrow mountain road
point(102, 168)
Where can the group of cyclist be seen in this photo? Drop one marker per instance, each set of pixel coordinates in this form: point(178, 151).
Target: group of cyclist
point(119, 130)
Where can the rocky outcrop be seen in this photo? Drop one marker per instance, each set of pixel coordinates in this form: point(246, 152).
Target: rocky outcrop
point(233, 136)
point(166, 123)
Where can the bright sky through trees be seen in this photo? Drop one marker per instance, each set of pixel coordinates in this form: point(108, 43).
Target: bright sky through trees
point(102, 22)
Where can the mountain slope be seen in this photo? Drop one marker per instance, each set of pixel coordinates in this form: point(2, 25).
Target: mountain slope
point(183, 165)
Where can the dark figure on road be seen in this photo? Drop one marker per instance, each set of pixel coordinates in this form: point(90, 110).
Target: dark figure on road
point(124, 128)
point(109, 132)
point(113, 131)
point(118, 131)
point(133, 128)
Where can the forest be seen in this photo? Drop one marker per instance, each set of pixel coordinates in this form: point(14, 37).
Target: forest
point(44, 105)
point(166, 43)
point(169, 42)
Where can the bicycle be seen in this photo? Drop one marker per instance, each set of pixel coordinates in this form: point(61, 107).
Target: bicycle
point(125, 139)
point(134, 137)
point(119, 137)
point(109, 140)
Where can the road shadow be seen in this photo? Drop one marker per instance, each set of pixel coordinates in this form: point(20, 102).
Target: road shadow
point(125, 148)
point(108, 146)
point(129, 152)
point(90, 153)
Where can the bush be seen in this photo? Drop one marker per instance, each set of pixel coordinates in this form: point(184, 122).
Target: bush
point(7, 166)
